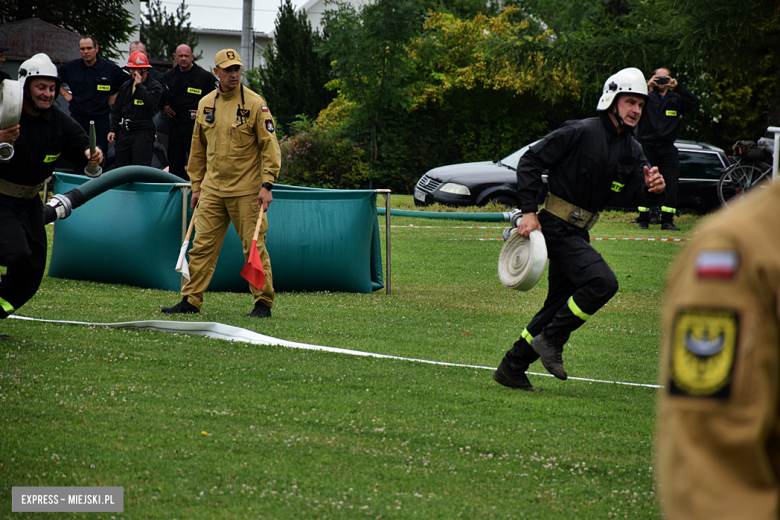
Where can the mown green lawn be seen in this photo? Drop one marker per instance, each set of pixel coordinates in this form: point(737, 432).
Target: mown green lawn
point(200, 428)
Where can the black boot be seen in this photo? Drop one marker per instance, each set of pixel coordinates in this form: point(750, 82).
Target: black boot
point(513, 378)
point(183, 307)
point(644, 217)
point(550, 355)
point(261, 310)
point(669, 226)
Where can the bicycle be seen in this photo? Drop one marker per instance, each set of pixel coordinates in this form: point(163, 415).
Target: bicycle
point(747, 172)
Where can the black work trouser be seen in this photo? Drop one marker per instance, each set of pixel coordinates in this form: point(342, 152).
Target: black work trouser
point(179, 143)
point(22, 251)
point(134, 148)
point(102, 125)
point(580, 283)
point(667, 159)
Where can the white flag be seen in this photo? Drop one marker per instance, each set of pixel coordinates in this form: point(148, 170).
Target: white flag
point(181, 265)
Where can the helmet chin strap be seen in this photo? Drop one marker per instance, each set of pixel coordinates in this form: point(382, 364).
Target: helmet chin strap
point(622, 124)
point(28, 97)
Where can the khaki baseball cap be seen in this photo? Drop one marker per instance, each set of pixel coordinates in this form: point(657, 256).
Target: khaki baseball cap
point(227, 58)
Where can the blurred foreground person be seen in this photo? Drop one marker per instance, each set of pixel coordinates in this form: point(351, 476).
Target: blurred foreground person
point(718, 431)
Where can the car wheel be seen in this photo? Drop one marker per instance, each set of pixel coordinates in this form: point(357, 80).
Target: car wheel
point(504, 200)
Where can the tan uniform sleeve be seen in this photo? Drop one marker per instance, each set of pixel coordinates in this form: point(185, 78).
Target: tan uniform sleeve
point(196, 168)
point(265, 130)
point(716, 444)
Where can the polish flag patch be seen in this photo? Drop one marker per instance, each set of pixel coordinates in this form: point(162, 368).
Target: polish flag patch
point(719, 264)
point(264, 109)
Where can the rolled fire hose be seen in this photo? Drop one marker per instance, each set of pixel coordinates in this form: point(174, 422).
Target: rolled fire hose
point(61, 206)
point(522, 261)
point(10, 112)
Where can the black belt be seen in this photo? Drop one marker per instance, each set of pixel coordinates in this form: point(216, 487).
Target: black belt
point(131, 126)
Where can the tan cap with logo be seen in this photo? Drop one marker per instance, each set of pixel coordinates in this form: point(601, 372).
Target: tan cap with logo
point(227, 58)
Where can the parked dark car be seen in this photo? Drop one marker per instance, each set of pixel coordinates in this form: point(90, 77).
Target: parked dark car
point(478, 183)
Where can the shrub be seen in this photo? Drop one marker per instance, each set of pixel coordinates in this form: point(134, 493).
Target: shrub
point(321, 156)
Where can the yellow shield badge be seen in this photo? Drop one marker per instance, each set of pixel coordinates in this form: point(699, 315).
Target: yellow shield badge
point(704, 347)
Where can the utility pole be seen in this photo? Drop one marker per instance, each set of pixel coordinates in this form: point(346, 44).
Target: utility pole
point(247, 37)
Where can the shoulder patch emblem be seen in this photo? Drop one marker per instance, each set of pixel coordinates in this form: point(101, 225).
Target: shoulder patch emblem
point(208, 110)
point(264, 109)
point(704, 347)
point(269, 125)
point(718, 264)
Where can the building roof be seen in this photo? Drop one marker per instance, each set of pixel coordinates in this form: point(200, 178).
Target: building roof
point(26, 38)
point(227, 15)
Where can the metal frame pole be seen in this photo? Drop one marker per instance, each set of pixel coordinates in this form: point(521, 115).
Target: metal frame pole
point(776, 155)
point(388, 281)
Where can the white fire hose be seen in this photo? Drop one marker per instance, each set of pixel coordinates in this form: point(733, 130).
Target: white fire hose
point(522, 261)
point(10, 113)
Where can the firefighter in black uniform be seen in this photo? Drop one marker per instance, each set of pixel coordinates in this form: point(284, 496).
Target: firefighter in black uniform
point(132, 127)
point(589, 161)
point(43, 134)
point(657, 132)
point(187, 83)
point(94, 83)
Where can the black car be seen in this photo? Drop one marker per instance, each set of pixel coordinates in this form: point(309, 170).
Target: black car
point(478, 183)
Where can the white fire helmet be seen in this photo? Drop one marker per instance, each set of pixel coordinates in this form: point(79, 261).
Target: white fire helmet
point(626, 81)
point(39, 65)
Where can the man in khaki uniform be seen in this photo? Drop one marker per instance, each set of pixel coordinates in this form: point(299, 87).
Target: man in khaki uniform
point(718, 434)
point(234, 161)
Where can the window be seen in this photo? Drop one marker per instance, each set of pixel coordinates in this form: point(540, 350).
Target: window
point(700, 165)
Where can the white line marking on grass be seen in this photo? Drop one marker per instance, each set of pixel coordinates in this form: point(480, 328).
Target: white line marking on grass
point(231, 333)
point(597, 239)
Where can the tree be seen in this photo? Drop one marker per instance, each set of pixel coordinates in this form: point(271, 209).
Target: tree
point(368, 49)
point(294, 75)
point(162, 31)
point(105, 20)
point(736, 37)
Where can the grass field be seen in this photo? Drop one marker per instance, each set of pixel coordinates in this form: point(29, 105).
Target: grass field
point(200, 428)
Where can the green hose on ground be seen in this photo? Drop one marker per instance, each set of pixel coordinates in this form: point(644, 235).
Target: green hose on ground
point(480, 217)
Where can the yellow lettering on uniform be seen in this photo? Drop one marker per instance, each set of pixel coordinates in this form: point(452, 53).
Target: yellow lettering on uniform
point(195, 91)
point(138, 102)
point(671, 113)
point(616, 186)
point(50, 158)
point(104, 87)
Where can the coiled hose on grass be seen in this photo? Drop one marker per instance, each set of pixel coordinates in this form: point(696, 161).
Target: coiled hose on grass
point(61, 206)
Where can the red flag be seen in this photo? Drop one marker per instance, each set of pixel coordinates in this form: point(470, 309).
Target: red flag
point(253, 269)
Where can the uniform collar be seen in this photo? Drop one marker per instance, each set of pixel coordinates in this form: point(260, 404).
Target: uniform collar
point(229, 94)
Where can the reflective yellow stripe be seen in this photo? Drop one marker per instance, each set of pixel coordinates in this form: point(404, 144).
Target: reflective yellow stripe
point(138, 102)
point(616, 186)
point(526, 336)
point(642, 209)
point(671, 113)
point(50, 158)
point(667, 209)
point(577, 311)
point(7, 307)
point(195, 91)
point(104, 87)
